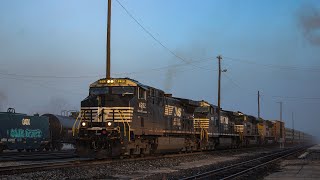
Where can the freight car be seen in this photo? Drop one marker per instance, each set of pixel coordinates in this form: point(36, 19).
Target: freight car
point(124, 117)
point(23, 132)
point(20, 131)
point(60, 130)
point(293, 136)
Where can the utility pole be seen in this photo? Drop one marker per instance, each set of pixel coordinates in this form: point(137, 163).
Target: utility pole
point(281, 123)
point(280, 110)
point(108, 40)
point(219, 82)
point(258, 105)
point(292, 128)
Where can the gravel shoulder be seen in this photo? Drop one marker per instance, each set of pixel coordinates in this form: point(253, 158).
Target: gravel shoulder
point(303, 166)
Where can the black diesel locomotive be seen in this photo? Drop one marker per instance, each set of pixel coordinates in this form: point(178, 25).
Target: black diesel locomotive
point(124, 117)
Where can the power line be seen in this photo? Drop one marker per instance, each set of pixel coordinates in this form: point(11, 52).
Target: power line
point(166, 67)
point(232, 81)
point(237, 85)
point(281, 97)
point(43, 85)
point(284, 67)
point(47, 76)
point(277, 66)
point(296, 97)
point(97, 76)
point(154, 38)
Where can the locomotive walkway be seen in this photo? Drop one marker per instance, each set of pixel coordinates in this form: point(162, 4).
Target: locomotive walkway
point(307, 166)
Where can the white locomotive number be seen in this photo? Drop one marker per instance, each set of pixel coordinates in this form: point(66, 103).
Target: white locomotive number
point(142, 107)
point(26, 121)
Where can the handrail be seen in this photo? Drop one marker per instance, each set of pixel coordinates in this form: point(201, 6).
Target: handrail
point(80, 117)
point(203, 132)
point(124, 124)
point(207, 135)
point(74, 124)
point(79, 124)
point(98, 114)
point(101, 112)
point(11, 110)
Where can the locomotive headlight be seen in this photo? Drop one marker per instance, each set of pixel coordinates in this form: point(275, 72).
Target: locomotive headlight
point(83, 124)
point(109, 123)
point(110, 81)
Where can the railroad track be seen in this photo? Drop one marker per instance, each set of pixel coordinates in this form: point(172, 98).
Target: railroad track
point(37, 156)
point(31, 167)
point(240, 169)
point(40, 166)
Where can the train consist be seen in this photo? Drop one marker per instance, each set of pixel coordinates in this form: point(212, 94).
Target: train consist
point(295, 136)
point(124, 117)
point(22, 132)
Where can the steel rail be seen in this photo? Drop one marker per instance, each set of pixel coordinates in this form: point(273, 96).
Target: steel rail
point(80, 162)
point(5, 170)
point(208, 174)
point(33, 153)
point(86, 162)
point(241, 173)
point(37, 156)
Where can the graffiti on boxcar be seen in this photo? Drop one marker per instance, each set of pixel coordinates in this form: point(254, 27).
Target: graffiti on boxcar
point(25, 133)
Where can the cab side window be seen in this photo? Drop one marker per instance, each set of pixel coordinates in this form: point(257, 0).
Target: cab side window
point(141, 93)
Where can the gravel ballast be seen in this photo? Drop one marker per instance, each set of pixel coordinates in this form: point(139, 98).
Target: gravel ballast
point(160, 168)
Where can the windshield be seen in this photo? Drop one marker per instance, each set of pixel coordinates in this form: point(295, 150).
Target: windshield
point(122, 90)
point(202, 109)
point(99, 90)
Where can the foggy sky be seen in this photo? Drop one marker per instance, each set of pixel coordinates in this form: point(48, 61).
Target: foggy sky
point(50, 51)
